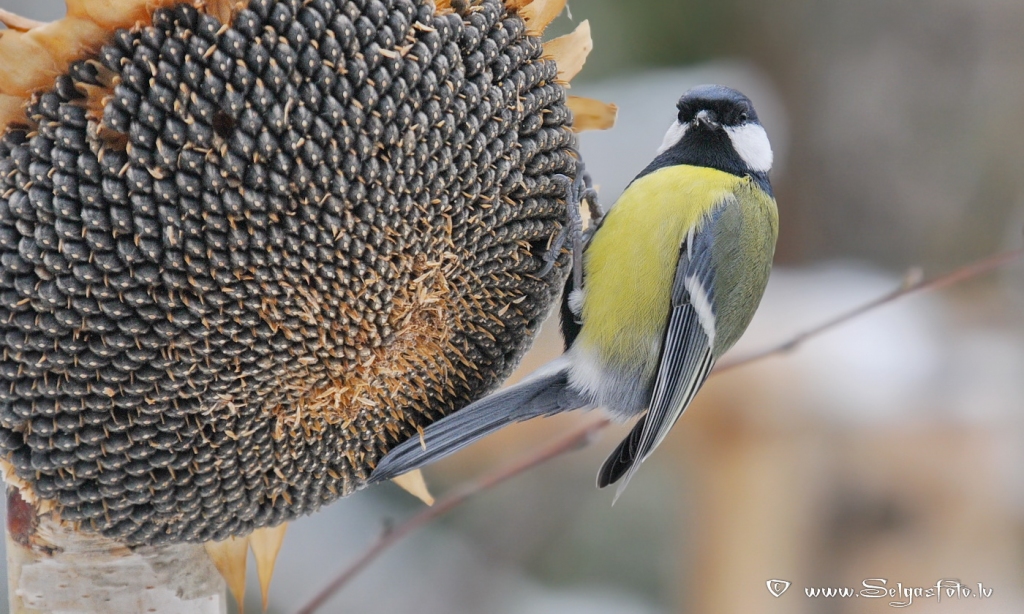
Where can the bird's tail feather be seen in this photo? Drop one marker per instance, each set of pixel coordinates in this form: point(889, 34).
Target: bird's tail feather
point(544, 394)
point(622, 458)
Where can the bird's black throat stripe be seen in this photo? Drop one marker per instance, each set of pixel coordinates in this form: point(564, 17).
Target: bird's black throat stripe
point(710, 149)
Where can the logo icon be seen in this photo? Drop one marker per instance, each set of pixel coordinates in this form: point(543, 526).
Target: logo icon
point(777, 587)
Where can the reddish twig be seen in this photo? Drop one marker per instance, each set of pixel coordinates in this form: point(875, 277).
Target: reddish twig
point(576, 439)
point(582, 436)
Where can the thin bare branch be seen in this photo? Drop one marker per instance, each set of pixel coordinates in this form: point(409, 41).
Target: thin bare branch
point(913, 283)
point(574, 440)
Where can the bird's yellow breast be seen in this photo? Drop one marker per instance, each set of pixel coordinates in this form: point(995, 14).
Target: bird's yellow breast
point(631, 261)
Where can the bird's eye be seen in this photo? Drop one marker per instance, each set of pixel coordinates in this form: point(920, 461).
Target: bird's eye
point(744, 117)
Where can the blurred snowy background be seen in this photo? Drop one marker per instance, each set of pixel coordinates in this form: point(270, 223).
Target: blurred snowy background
point(890, 448)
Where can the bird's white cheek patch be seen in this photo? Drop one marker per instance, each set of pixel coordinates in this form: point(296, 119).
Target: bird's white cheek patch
point(674, 134)
point(751, 142)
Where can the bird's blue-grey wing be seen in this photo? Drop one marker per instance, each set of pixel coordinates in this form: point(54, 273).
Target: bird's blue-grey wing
point(686, 356)
point(545, 393)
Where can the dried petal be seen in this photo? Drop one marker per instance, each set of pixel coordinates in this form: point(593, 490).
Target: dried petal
point(266, 544)
point(570, 51)
point(590, 114)
point(414, 484)
point(229, 558)
point(540, 13)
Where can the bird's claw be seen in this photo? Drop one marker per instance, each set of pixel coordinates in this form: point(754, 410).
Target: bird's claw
point(577, 190)
point(551, 255)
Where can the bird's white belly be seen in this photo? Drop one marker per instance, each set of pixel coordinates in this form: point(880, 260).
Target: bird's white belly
point(623, 390)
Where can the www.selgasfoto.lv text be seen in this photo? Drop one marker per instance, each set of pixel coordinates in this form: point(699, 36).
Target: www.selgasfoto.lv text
point(901, 596)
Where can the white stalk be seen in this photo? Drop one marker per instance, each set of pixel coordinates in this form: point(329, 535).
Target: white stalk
point(51, 568)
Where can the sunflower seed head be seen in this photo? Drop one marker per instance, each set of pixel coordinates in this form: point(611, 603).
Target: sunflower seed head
point(237, 264)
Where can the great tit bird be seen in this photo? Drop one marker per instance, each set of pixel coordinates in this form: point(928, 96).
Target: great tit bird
point(671, 277)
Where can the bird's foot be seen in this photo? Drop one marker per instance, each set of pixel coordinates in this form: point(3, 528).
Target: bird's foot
point(576, 191)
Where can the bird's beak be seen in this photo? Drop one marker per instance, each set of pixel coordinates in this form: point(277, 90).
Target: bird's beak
point(705, 118)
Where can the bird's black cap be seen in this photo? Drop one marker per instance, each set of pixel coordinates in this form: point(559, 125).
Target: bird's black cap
point(731, 108)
